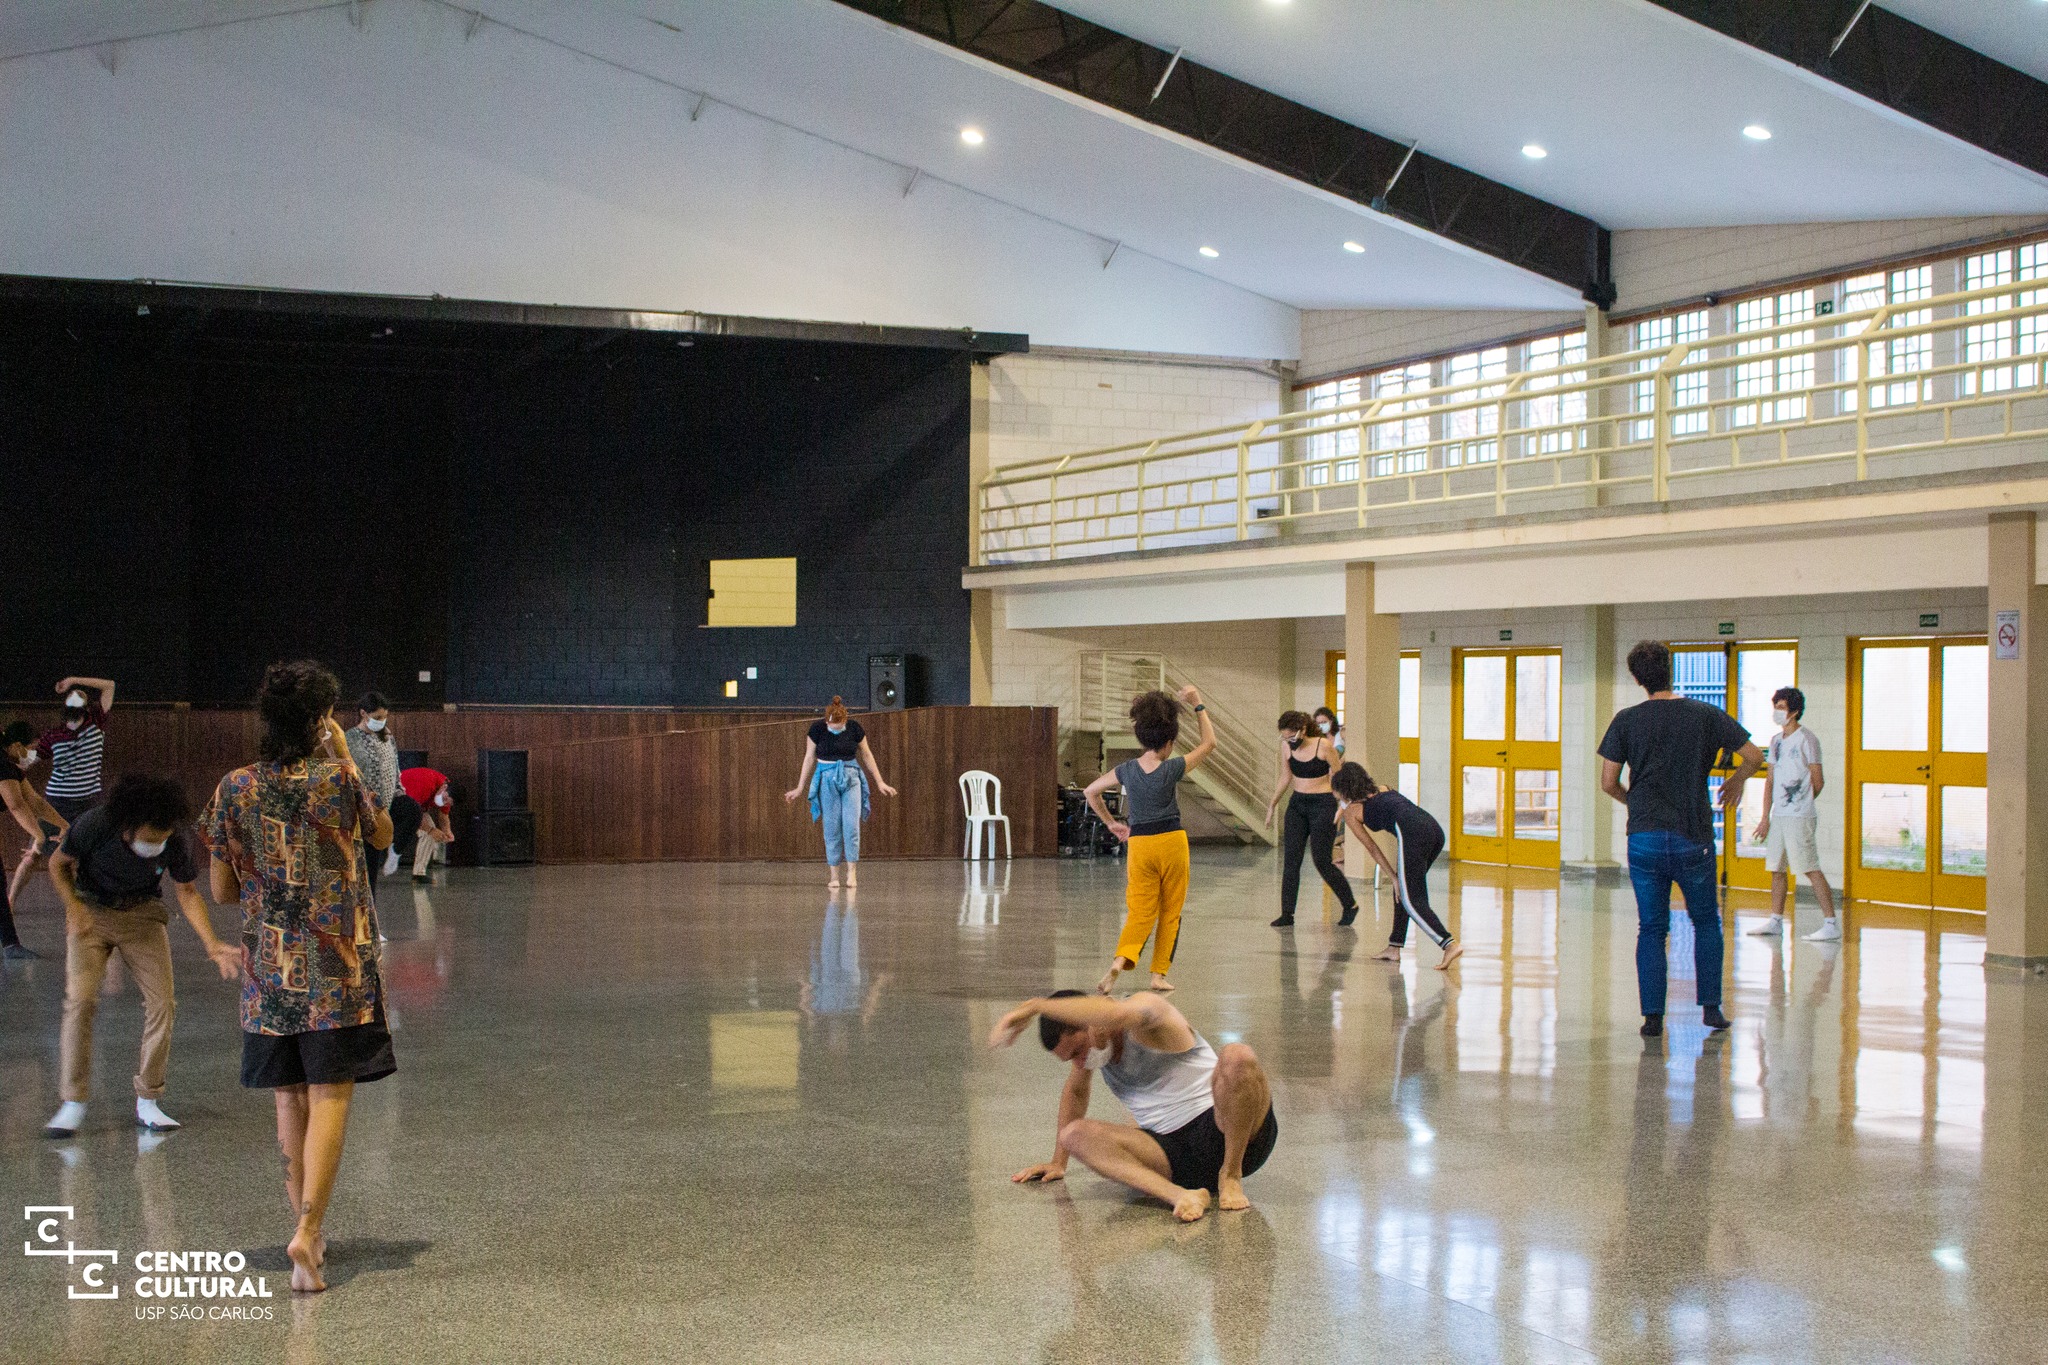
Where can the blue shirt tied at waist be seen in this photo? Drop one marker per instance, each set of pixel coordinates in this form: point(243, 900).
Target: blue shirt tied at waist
point(843, 773)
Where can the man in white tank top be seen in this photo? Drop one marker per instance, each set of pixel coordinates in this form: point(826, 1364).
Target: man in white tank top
point(1204, 1116)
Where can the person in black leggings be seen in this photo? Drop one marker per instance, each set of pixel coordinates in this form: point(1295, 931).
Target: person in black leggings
point(1418, 839)
point(1305, 761)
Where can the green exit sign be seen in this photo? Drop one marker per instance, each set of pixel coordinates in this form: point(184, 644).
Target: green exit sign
point(1727, 627)
point(1507, 635)
point(1930, 620)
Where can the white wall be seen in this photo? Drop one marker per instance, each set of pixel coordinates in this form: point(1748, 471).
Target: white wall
point(301, 152)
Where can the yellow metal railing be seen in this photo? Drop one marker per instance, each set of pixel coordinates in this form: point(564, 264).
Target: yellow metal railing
point(1927, 386)
point(1239, 774)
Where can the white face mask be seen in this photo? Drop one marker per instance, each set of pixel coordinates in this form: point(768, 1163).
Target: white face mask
point(441, 797)
point(1324, 726)
point(1097, 1058)
point(1781, 715)
point(30, 759)
point(143, 850)
point(373, 725)
point(836, 729)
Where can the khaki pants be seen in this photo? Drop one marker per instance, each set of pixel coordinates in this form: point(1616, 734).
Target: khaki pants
point(143, 940)
point(426, 850)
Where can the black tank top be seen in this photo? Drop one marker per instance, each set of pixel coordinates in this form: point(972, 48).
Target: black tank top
point(1314, 767)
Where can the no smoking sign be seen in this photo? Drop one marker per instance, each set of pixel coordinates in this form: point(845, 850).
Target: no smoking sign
point(2007, 635)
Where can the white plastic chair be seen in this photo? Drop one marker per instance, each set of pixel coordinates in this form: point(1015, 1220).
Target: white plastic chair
point(983, 795)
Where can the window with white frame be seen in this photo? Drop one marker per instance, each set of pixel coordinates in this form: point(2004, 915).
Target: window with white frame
point(1778, 382)
point(1985, 344)
point(1471, 433)
point(1332, 451)
point(1556, 417)
point(1891, 355)
point(1400, 443)
point(1688, 389)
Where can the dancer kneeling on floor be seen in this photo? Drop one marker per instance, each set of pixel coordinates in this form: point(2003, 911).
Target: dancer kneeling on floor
point(1306, 758)
point(1204, 1117)
point(1418, 839)
point(1156, 874)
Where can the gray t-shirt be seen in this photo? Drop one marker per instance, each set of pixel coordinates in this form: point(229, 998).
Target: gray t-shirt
point(1150, 803)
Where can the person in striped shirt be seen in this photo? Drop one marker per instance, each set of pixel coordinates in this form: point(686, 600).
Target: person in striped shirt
point(75, 751)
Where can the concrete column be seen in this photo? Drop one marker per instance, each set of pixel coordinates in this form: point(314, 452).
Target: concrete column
point(2016, 769)
point(1372, 689)
point(981, 601)
point(981, 639)
point(1588, 829)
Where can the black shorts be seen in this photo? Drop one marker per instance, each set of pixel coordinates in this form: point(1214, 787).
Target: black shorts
point(1194, 1151)
point(328, 1056)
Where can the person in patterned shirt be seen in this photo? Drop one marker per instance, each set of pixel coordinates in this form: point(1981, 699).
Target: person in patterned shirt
point(288, 837)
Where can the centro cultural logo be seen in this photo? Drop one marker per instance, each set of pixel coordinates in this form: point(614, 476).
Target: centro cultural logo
point(177, 1277)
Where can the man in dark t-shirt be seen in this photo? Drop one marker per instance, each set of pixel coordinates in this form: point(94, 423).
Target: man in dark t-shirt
point(1670, 744)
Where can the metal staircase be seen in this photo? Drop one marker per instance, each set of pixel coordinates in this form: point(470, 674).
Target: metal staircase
point(1235, 782)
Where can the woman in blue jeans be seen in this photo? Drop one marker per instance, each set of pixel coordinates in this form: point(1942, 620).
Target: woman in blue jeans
point(1670, 744)
point(837, 764)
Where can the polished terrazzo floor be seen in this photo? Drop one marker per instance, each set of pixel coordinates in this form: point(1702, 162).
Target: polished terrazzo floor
point(701, 1113)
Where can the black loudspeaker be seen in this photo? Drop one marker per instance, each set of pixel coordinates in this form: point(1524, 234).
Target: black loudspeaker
point(502, 837)
point(887, 684)
point(501, 778)
point(412, 758)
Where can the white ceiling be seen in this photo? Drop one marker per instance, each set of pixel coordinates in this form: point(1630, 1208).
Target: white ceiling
point(1642, 111)
point(2013, 31)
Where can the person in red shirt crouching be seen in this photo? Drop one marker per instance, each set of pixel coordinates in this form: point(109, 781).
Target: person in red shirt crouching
point(436, 829)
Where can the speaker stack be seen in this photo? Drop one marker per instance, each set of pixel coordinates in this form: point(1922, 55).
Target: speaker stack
point(888, 683)
point(504, 827)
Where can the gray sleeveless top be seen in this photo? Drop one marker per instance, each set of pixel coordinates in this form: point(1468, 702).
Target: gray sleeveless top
point(1163, 1090)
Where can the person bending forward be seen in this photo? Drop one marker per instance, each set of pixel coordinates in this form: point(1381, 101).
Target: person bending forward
point(1204, 1117)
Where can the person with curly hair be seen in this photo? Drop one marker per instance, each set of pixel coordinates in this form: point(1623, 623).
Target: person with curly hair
point(1307, 757)
point(288, 836)
point(1156, 874)
point(1418, 839)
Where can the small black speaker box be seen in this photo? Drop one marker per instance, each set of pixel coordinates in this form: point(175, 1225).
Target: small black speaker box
point(887, 690)
point(412, 758)
point(501, 778)
point(503, 838)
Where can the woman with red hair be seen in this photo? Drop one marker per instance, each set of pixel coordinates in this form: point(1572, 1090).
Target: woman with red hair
point(837, 764)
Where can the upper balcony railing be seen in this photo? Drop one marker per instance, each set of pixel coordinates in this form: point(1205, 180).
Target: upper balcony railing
point(1928, 386)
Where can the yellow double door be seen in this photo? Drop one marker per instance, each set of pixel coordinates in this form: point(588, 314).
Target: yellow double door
point(1739, 678)
point(1508, 706)
point(1918, 731)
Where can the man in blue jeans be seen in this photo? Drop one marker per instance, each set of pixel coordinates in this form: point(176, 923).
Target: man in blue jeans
point(1670, 744)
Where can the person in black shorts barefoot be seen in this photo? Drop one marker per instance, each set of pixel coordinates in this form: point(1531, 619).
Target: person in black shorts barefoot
point(1204, 1116)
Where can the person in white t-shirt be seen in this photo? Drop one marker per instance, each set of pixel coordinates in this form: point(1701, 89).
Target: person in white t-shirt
point(1789, 822)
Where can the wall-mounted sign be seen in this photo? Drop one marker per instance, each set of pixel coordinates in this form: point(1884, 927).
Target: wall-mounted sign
point(2005, 635)
point(1930, 620)
point(1727, 627)
point(1507, 635)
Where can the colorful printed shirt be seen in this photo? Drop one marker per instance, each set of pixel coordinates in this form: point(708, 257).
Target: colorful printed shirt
point(291, 832)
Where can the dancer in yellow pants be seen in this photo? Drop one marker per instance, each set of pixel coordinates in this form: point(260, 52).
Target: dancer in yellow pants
point(1158, 864)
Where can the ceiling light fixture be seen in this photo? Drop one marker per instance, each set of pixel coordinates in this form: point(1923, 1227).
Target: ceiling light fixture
point(1354, 247)
point(1533, 151)
point(1756, 132)
point(1211, 252)
point(973, 137)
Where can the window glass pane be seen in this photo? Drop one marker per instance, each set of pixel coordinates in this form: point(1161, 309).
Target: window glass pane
point(1965, 698)
point(1481, 788)
point(1339, 707)
point(1751, 814)
point(1537, 696)
point(1758, 673)
point(1410, 782)
point(1963, 831)
point(1535, 803)
point(1411, 698)
point(1894, 826)
point(1486, 697)
point(1895, 697)
point(1701, 674)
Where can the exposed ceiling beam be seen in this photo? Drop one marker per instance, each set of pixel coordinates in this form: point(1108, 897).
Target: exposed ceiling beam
point(1894, 61)
point(1219, 111)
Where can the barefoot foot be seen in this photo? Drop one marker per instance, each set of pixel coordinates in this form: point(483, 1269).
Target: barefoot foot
point(1160, 984)
point(1451, 954)
point(1191, 1205)
point(1387, 954)
point(1117, 967)
point(1230, 1194)
point(305, 1253)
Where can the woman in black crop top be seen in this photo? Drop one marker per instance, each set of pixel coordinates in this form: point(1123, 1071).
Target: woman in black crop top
point(837, 765)
point(1418, 839)
point(1306, 759)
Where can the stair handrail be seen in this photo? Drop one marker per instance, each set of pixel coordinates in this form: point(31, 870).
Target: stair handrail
point(1107, 681)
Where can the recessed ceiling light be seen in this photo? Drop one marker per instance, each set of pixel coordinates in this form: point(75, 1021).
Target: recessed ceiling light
point(1354, 246)
point(1211, 252)
point(1756, 132)
point(973, 137)
point(1533, 152)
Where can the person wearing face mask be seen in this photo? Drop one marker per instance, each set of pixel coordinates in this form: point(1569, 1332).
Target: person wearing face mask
point(1326, 725)
point(75, 751)
point(429, 790)
point(1204, 1116)
point(109, 874)
point(1789, 823)
point(1306, 758)
point(837, 765)
point(32, 813)
point(376, 757)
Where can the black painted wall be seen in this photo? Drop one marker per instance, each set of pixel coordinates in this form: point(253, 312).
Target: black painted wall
point(523, 513)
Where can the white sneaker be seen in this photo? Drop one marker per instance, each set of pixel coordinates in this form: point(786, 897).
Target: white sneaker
point(69, 1118)
point(151, 1117)
point(1772, 927)
point(1830, 931)
point(390, 862)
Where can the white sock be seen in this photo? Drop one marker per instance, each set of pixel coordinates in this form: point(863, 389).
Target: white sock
point(69, 1118)
point(390, 862)
point(150, 1116)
